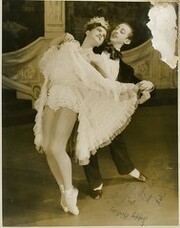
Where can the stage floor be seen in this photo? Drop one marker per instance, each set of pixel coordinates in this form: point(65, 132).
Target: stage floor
point(31, 196)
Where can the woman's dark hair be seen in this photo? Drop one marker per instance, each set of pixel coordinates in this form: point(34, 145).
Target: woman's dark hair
point(94, 25)
point(90, 27)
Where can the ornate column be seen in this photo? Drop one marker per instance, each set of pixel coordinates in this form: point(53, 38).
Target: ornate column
point(54, 18)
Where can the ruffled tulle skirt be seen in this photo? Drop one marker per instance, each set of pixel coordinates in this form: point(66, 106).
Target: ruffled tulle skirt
point(104, 107)
point(101, 119)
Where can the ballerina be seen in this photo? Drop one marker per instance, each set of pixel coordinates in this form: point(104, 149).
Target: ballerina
point(69, 86)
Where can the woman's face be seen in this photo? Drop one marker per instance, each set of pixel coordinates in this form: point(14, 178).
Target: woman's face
point(97, 35)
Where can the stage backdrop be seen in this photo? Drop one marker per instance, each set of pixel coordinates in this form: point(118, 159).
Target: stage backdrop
point(136, 13)
point(23, 21)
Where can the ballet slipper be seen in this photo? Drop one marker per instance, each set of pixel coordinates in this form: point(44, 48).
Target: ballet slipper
point(63, 203)
point(71, 201)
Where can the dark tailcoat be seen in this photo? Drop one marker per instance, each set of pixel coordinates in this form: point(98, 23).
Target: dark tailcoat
point(117, 148)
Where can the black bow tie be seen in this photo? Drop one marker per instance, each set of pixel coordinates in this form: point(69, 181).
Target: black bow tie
point(114, 53)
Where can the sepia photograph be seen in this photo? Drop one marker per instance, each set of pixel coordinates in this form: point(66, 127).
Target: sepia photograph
point(90, 113)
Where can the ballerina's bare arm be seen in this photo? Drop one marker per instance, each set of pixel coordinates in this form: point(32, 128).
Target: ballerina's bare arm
point(98, 63)
point(66, 37)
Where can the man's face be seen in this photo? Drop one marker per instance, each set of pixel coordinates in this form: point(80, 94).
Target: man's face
point(120, 35)
point(97, 35)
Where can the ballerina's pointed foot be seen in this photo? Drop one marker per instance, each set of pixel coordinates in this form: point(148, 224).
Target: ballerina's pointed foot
point(71, 201)
point(63, 203)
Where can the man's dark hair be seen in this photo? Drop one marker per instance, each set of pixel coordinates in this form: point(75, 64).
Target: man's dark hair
point(129, 24)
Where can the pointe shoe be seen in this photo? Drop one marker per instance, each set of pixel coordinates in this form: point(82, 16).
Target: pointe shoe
point(63, 203)
point(71, 201)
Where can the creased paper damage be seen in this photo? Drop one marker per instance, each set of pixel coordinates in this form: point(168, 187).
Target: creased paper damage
point(164, 31)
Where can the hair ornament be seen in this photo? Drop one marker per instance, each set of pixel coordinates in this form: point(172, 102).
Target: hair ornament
point(98, 20)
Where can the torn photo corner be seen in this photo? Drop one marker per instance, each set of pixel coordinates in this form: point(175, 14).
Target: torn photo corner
point(163, 27)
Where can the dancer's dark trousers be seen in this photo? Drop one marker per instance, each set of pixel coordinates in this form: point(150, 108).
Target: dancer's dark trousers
point(120, 157)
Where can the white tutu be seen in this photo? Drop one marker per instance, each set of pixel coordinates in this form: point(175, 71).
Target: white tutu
point(101, 119)
point(104, 106)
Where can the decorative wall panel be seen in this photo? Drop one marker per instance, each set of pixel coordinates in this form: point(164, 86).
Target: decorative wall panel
point(54, 18)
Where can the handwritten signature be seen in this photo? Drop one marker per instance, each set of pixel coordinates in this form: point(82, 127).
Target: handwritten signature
point(137, 217)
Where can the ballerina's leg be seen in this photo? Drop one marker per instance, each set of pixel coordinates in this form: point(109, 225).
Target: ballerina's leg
point(62, 129)
point(48, 122)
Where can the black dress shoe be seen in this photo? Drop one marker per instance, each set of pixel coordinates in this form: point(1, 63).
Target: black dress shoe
point(96, 194)
point(141, 178)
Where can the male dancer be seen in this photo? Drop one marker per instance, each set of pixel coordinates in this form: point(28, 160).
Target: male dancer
point(120, 36)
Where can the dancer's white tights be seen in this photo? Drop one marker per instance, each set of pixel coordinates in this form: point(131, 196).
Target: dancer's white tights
point(57, 128)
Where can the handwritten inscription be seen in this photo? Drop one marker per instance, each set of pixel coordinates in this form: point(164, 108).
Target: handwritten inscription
point(159, 198)
point(135, 196)
point(137, 217)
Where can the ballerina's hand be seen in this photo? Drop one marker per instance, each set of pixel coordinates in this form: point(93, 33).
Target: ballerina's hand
point(145, 85)
point(68, 37)
point(145, 95)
